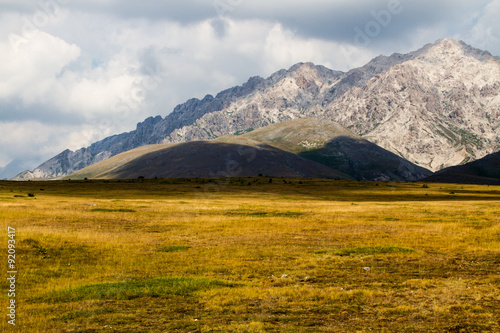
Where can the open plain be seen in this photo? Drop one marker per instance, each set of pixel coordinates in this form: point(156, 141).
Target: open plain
point(252, 255)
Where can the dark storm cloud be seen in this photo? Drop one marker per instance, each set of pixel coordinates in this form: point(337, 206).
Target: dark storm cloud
point(338, 21)
point(176, 10)
point(328, 20)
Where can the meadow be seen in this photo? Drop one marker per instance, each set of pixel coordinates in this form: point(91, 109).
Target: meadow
point(252, 255)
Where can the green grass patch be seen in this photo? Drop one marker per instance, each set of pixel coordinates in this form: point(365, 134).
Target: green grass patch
point(290, 214)
point(241, 132)
point(391, 219)
point(243, 212)
point(107, 210)
point(173, 248)
point(259, 214)
point(84, 314)
point(180, 286)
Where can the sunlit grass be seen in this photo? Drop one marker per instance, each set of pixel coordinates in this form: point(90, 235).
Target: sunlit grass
point(202, 255)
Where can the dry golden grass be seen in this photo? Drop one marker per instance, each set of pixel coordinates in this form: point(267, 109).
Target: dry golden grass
point(203, 255)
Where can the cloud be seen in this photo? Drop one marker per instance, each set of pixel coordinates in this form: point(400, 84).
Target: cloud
point(30, 143)
point(33, 139)
point(120, 72)
point(282, 46)
point(485, 33)
point(39, 59)
point(82, 70)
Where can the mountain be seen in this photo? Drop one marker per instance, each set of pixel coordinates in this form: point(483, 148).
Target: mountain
point(436, 107)
point(332, 145)
point(439, 109)
point(10, 169)
point(206, 159)
point(485, 171)
point(296, 148)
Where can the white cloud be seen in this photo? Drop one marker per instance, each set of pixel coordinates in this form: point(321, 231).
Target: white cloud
point(284, 48)
point(485, 33)
point(152, 67)
point(31, 139)
point(96, 68)
point(30, 69)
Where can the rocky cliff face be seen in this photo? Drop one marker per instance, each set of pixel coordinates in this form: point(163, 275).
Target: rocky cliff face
point(439, 109)
point(438, 106)
point(302, 91)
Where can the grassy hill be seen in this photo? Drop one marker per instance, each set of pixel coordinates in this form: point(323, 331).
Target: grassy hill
point(330, 144)
point(298, 148)
point(207, 159)
point(101, 169)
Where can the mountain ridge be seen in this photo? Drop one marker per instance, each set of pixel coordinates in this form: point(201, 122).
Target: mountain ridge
point(364, 99)
point(456, 119)
point(297, 148)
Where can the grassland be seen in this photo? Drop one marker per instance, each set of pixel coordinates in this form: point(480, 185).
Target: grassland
point(249, 255)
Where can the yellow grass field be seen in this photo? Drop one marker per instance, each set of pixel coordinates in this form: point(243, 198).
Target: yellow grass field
point(249, 255)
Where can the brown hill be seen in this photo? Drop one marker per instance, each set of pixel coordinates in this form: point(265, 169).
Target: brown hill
point(207, 159)
point(485, 171)
point(337, 147)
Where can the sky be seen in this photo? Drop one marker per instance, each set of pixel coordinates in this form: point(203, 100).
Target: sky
point(73, 72)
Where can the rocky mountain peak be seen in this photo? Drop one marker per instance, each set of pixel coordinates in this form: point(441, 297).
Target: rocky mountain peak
point(302, 66)
point(436, 107)
point(439, 108)
point(452, 50)
point(458, 64)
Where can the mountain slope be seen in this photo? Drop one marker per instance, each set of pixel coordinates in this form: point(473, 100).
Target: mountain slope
point(271, 150)
point(287, 94)
point(484, 171)
point(302, 91)
point(206, 159)
point(330, 144)
point(436, 107)
point(441, 108)
point(162, 130)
